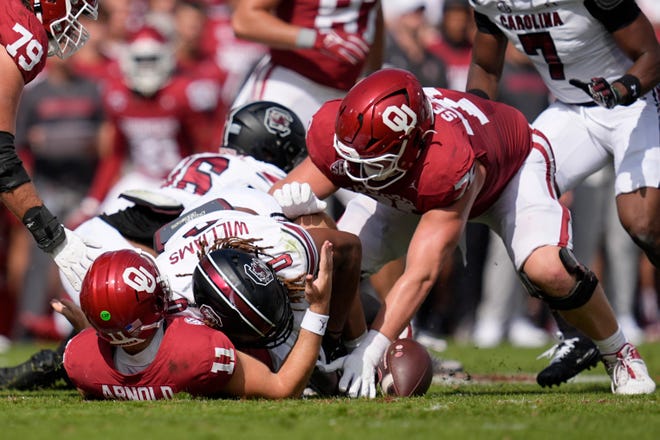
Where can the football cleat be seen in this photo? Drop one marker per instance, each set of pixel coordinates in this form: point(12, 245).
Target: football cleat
point(326, 384)
point(445, 367)
point(42, 370)
point(629, 374)
point(568, 359)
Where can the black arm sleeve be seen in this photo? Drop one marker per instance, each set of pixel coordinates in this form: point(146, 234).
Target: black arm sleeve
point(614, 14)
point(12, 173)
point(485, 25)
point(138, 223)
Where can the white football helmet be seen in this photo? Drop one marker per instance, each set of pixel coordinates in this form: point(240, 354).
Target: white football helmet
point(148, 62)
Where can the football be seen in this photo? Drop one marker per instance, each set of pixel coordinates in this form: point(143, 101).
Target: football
point(406, 369)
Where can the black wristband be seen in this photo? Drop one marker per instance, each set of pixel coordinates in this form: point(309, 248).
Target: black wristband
point(48, 232)
point(633, 88)
point(480, 93)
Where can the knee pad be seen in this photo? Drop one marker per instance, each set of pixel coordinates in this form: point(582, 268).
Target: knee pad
point(579, 295)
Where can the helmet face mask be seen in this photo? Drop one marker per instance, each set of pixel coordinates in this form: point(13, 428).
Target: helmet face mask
point(61, 19)
point(375, 172)
point(380, 127)
point(241, 296)
point(148, 62)
point(125, 297)
point(268, 132)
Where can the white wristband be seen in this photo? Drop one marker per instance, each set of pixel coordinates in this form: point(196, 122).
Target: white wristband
point(306, 38)
point(314, 322)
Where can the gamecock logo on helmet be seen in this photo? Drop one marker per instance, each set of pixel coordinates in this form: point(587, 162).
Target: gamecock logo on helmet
point(258, 272)
point(400, 118)
point(278, 122)
point(139, 279)
point(210, 317)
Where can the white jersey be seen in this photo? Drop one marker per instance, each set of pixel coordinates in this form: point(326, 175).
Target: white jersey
point(207, 173)
point(568, 39)
point(565, 39)
point(290, 251)
point(289, 248)
point(240, 180)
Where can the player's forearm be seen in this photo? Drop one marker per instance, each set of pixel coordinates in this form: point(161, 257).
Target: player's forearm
point(401, 304)
point(20, 199)
point(263, 27)
point(296, 370)
point(377, 51)
point(298, 367)
point(639, 43)
point(647, 70)
point(480, 79)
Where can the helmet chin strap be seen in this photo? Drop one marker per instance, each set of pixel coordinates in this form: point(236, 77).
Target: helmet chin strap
point(36, 8)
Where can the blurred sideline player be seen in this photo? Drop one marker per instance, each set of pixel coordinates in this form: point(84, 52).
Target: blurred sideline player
point(153, 120)
point(606, 110)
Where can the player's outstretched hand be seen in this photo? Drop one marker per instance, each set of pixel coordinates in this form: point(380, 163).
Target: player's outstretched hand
point(72, 312)
point(298, 199)
point(599, 90)
point(358, 378)
point(74, 256)
point(344, 46)
point(318, 291)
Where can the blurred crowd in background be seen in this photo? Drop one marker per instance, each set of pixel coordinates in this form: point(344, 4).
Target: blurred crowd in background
point(70, 136)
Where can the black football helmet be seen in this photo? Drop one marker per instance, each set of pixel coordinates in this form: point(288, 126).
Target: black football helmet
point(267, 131)
point(240, 295)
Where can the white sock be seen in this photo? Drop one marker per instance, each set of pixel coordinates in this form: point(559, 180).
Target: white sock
point(610, 346)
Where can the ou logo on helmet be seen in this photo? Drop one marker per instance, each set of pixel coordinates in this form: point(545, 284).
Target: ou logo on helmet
point(400, 119)
point(139, 279)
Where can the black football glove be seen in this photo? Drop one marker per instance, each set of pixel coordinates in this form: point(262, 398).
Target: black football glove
point(600, 91)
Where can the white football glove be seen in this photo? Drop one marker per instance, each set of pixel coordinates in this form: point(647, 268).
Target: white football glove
point(297, 199)
point(358, 378)
point(73, 257)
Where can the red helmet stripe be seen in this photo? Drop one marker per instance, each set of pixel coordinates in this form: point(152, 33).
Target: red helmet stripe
point(232, 296)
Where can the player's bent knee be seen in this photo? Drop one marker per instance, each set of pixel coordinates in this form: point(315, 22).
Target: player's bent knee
point(580, 294)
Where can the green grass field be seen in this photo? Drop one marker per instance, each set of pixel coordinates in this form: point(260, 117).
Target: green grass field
point(501, 401)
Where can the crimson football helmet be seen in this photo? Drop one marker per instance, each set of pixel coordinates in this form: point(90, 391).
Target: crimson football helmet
point(60, 18)
point(241, 296)
point(380, 127)
point(148, 62)
point(267, 131)
point(124, 296)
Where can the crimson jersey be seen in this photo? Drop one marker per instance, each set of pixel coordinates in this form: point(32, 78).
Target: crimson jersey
point(356, 16)
point(192, 358)
point(156, 132)
point(466, 128)
point(23, 37)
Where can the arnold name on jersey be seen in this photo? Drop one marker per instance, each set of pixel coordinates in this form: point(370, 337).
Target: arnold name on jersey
point(121, 392)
